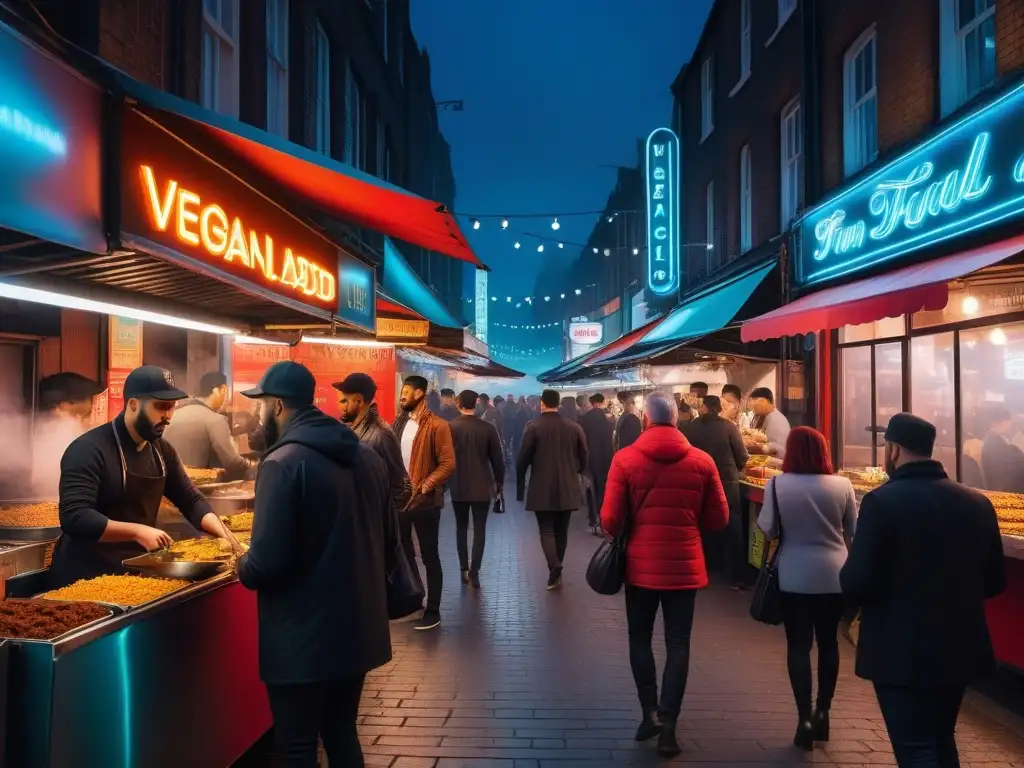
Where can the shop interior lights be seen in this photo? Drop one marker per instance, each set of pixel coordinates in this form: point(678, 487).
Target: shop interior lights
point(21, 293)
point(330, 340)
point(970, 305)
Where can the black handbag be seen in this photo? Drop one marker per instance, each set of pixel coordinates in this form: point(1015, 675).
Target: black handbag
point(404, 588)
point(766, 605)
point(606, 572)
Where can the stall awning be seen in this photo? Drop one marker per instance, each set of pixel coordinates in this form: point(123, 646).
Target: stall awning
point(339, 190)
point(902, 292)
point(403, 285)
point(566, 370)
point(465, 362)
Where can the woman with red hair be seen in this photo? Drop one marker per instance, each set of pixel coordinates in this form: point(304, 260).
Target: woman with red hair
point(814, 512)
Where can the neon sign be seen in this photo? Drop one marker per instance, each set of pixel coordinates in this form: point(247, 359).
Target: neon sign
point(967, 177)
point(16, 123)
point(662, 185)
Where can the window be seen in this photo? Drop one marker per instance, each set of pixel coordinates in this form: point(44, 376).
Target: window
point(860, 104)
point(707, 99)
point(744, 39)
point(871, 393)
point(932, 394)
point(746, 235)
point(277, 67)
point(792, 193)
point(709, 224)
point(322, 105)
point(355, 121)
point(967, 50)
point(219, 90)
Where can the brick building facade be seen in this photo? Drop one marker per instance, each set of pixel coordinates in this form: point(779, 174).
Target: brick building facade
point(351, 82)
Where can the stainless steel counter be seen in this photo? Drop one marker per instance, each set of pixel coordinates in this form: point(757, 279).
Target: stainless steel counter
point(173, 683)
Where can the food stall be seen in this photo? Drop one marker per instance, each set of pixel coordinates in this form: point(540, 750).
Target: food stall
point(909, 285)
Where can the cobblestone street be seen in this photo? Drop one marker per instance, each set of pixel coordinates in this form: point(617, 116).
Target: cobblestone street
point(517, 677)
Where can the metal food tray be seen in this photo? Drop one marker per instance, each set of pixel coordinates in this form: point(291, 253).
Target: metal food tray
point(235, 489)
point(112, 611)
point(122, 609)
point(17, 533)
point(170, 568)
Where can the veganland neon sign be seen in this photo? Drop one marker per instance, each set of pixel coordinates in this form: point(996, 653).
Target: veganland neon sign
point(969, 176)
point(175, 210)
point(662, 176)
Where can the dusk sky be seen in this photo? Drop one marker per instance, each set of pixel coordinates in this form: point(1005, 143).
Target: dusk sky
point(554, 92)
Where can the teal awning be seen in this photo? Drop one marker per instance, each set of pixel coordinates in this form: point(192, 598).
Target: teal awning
point(403, 285)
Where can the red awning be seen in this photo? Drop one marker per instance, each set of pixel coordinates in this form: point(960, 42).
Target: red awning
point(622, 343)
point(905, 291)
point(394, 308)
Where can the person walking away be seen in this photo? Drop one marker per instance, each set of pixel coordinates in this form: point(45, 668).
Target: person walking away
point(554, 452)
point(600, 434)
point(923, 633)
point(771, 421)
point(486, 411)
point(510, 442)
point(479, 476)
point(200, 432)
point(523, 417)
point(429, 458)
point(817, 517)
point(721, 440)
point(662, 492)
point(356, 401)
point(323, 524)
point(629, 426)
point(582, 404)
point(567, 409)
point(449, 412)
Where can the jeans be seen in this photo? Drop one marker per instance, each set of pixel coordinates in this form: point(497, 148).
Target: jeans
point(677, 614)
point(597, 483)
point(427, 523)
point(304, 711)
point(921, 724)
point(479, 510)
point(809, 619)
point(554, 536)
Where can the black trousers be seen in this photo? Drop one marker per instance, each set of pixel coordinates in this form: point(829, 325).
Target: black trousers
point(426, 523)
point(922, 724)
point(462, 511)
point(729, 546)
point(598, 481)
point(304, 711)
point(677, 615)
point(809, 619)
point(554, 535)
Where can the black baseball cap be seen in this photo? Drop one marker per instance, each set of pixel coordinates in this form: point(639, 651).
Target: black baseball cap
point(152, 381)
point(357, 384)
point(287, 380)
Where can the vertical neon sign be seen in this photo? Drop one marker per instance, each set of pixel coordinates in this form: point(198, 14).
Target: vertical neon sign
point(662, 185)
point(480, 306)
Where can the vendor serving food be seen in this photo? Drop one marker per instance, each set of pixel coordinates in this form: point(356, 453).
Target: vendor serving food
point(113, 479)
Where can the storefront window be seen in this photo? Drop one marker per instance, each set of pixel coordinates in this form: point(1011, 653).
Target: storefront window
point(992, 402)
point(969, 302)
point(855, 396)
point(932, 394)
point(886, 328)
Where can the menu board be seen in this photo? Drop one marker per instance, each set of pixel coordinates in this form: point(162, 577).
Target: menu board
point(328, 363)
point(125, 355)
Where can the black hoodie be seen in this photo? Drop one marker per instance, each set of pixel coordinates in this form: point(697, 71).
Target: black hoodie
point(323, 522)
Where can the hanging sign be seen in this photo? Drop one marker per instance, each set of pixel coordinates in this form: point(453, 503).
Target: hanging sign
point(585, 333)
point(967, 177)
point(662, 187)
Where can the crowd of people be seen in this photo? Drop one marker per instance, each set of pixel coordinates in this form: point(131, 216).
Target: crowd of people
point(338, 504)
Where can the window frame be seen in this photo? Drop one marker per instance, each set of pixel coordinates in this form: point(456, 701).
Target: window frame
point(217, 100)
point(707, 97)
point(745, 27)
point(953, 91)
point(792, 112)
point(854, 155)
point(746, 200)
point(709, 223)
point(277, 67)
point(322, 90)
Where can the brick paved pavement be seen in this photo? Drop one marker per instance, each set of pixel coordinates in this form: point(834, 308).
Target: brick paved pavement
point(517, 677)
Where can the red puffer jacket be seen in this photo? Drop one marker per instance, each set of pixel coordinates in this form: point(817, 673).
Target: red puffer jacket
point(670, 491)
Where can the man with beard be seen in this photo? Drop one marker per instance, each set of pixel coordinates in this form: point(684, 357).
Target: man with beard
point(65, 404)
point(322, 528)
point(449, 412)
point(600, 433)
point(429, 458)
point(359, 412)
point(200, 432)
point(113, 478)
point(923, 633)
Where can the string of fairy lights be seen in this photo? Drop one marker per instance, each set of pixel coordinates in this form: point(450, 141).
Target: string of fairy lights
point(524, 239)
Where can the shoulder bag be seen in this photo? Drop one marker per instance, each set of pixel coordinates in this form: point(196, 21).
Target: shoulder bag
point(606, 572)
point(766, 605)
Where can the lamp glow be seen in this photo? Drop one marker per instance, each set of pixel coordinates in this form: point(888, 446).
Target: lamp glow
point(561, 245)
point(607, 251)
point(475, 223)
point(578, 291)
point(970, 305)
point(504, 223)
point(518, 245)
point(554, 224)
point(561, 295)
point(547, 298)
point(331, 341)
point(997, 337)
point(636, 251)
point(595, 251)
point(540, 248)
point(711, 246)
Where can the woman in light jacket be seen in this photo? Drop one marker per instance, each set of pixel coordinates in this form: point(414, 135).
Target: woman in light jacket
point(816, 513)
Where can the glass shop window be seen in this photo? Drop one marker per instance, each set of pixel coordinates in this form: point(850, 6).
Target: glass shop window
point(932, 392)
point(871, 392)
point(886, 328)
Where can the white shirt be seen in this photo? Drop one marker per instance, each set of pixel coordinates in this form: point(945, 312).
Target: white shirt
point(408, 437)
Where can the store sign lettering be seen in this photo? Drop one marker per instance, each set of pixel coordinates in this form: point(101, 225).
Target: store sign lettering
point(662, 177)
point(207, 226)
point(968, 177)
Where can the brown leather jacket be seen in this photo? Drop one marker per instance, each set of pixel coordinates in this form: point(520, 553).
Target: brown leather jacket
point(433, 459)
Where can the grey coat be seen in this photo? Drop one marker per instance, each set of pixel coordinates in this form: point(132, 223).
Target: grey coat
point(202, 438)
point(555, 453)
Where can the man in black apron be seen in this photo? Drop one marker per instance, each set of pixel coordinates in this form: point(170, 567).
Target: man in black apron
point(113, 479)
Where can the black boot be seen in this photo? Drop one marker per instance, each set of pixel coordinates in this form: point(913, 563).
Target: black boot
point(474, 579)
point(804, 737)
point(465, 576)
point(819, 724)
point(668, 746)
point(648, 727)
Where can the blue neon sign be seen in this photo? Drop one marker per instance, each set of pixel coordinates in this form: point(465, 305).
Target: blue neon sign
point(969, 176)
point(662, 176)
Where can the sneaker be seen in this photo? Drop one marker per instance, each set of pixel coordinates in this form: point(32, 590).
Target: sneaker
point(430, 620)
point(555, 578)
point(474, 579)
point(668, 745)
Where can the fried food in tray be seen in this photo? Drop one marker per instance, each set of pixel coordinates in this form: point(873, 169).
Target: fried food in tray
point(240, 522)
point(39, 514)
point(752, 435)
point(126, 590)
point(46, 619)
point(1011, 528)
point(201, 476)
point(200, 550)
point(758, 460)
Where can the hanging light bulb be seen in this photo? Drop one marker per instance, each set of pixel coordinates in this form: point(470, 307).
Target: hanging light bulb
point(529, 300)
point(504, 223)
point(508, 299)
point(561, 295)
point(970, 305)
point(636, 251)
point(519, 304)
point(475, 223)
point(578, 291)
point(517, 245)
point(540, 248)
point(611, 219)
point(554, 224)
point(607, 251)
point(561, 245)
point(494, 298)
point(997, 337)
point(547, 298)
point(595, 251)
